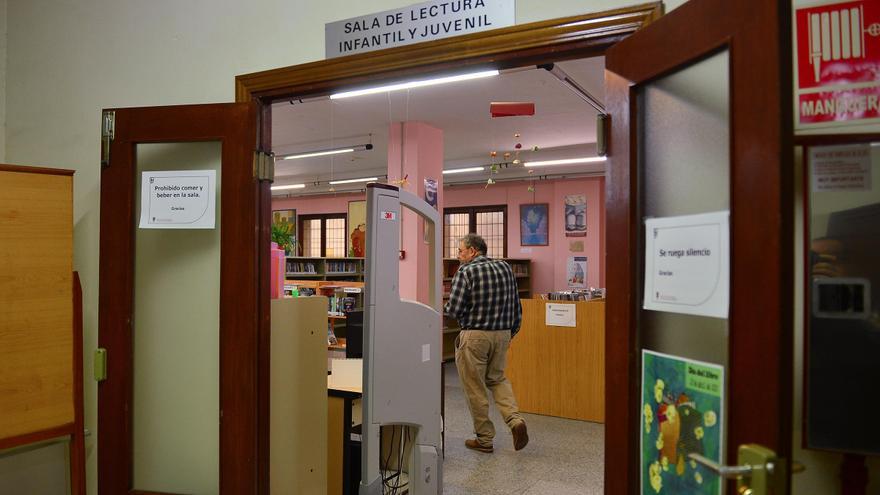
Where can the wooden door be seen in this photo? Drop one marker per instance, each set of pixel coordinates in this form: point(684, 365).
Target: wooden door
point(183, 313)
point(700, 121)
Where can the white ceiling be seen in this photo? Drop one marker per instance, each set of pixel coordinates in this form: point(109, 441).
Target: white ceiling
point(563, 126)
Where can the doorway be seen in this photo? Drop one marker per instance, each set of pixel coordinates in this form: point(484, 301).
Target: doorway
point(638, 64)
point(506, 172)
point(634, 64)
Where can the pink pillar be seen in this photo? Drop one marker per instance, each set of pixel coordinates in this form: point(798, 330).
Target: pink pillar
point(415, 151)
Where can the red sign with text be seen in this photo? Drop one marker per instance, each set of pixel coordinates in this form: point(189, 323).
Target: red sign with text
point(838, 56)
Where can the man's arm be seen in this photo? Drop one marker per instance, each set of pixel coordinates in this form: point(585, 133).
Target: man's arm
point(459, 296)
point(517, 317)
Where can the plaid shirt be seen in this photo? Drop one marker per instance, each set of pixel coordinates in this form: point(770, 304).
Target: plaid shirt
point(484, 296)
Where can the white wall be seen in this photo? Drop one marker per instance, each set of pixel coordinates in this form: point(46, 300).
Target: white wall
point(68, 60)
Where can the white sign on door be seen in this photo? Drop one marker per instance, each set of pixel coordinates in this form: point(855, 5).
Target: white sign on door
point(420, 22)
point(178, 199)
point(687, 264)
point(841, 168)
point(561, 315)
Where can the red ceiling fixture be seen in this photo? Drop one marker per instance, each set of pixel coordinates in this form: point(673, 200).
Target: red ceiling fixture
point(511, 108)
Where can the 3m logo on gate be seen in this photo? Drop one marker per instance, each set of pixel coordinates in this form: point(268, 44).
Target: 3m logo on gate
point(838, 58)
point(388, 215)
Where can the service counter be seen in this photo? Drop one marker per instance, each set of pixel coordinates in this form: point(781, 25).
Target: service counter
point(560, 371)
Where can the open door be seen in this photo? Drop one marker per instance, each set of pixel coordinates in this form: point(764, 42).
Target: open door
point(701, 122)
point(182, 403)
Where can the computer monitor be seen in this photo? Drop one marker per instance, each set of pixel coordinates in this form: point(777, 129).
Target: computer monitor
point(354, 334)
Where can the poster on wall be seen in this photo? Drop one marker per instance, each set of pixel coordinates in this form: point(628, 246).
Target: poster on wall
point(178, 199)
point(687, 264)
point(577, 272)
point(357, 228)
point(681, 410)
point(284, 230)
point(533, 224)
point(576, 215)
point(431, 192)
point(837, 62)
point(840, 168)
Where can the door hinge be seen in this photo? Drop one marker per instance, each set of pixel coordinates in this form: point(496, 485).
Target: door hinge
point(108, 130)
point(100, 364)
point(602, 120)
point(264, 166)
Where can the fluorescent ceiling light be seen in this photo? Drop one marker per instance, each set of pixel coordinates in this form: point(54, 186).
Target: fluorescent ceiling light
point(330, 151)
point(351, 181)
point(289, 186)
point(463, 170)
point(567, 161)
point(414, 84)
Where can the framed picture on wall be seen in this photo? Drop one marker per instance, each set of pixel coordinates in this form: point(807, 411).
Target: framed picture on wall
point(533, 224)
point(357, 228)
point(576, 215)
point(284, 230)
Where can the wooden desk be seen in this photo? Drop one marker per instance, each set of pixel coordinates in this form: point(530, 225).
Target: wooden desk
point(560, 371)
point(343, 414)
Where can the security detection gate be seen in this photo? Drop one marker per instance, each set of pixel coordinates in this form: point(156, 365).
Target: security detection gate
point(402, 351)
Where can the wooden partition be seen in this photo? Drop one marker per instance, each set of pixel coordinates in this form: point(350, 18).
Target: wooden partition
point(560, 371)
point(40, 315)
point(298, 401)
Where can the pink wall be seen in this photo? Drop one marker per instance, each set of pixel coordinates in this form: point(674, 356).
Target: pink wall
point(421, 158)
point(313, 205)
point(549, 263)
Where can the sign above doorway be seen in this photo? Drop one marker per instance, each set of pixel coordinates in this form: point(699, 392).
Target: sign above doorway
point(426, 21)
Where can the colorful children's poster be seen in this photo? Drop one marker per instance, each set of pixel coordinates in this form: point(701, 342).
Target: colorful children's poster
point(431, 192)
point(577, 272)
point(576, 215)
point(357, 227)
point(682, 405)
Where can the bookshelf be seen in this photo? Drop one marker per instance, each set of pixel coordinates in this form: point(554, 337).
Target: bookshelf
point(335, 269)
point(522, 269)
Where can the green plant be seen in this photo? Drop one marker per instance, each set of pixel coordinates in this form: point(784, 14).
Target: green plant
point(281, 236)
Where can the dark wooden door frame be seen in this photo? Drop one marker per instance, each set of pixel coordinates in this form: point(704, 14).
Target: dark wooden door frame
point(560, 39)
point(758, 37)
point(241, 292)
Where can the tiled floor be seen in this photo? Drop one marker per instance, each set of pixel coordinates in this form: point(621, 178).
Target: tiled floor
point(563, 456)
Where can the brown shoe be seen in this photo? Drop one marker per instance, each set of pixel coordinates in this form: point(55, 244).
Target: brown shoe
point(520, 435)
point(474, 445)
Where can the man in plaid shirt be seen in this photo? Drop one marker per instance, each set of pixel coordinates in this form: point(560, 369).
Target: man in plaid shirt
point(485, 301)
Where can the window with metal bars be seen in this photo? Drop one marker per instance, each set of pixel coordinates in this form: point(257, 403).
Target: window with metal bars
point(490, 222)
point(323, 235)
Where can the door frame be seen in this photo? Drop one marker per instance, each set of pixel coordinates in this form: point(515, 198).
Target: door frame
point(566, 38)
point(761, 187)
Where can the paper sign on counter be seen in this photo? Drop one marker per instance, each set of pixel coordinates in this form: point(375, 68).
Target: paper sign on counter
point(178, 199)
point(561, 315)
point(687, 264)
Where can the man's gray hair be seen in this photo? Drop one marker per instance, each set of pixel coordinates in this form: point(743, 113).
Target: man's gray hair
point(474, 241)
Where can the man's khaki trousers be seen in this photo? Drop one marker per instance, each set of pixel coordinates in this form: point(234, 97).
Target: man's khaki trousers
point(481, 357)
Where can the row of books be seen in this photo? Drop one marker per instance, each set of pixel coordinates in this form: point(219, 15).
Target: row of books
point(342, 266)
point(575, 295)
point(519, 268)
point(301, 267)
point(336, 304)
